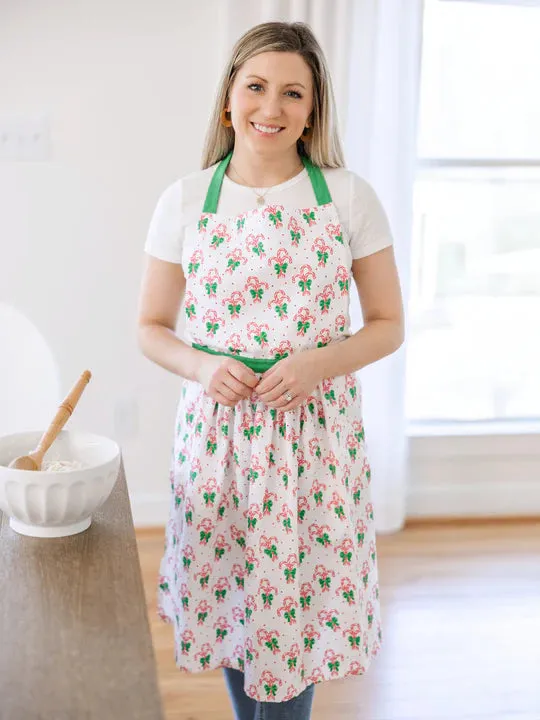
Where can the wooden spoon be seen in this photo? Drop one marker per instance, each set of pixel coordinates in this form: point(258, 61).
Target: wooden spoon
point(33, 460)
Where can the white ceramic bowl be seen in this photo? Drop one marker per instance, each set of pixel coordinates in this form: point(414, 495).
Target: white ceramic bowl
point(56, 504)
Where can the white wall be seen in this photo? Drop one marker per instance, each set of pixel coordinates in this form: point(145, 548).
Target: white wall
point(127, 87)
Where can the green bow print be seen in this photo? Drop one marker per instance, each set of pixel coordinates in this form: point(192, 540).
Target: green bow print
point(256, 294)
point(322, 257)
point(295, 237)
point(216, 241)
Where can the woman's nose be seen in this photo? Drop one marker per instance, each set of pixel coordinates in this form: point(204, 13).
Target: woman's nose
point(272, 106)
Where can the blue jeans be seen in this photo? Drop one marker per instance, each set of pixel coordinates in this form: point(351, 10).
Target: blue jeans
point(245, 708)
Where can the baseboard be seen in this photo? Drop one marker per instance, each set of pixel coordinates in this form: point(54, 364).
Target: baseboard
point(149, 510)
point(474, 487)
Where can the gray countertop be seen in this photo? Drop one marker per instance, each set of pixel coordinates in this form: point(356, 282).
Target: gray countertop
point(75, 642)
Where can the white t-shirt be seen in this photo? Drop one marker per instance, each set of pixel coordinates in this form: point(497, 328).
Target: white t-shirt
point(363, 219)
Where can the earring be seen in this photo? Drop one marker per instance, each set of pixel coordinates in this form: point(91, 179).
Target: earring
point(226, 121)
point(307, 132)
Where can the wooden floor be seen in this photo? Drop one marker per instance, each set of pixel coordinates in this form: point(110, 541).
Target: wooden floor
point(461, 623)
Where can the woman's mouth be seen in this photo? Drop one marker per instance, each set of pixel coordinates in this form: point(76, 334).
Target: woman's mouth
point(267, 129)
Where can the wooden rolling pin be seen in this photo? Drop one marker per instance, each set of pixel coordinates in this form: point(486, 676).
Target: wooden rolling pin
point(33, 460)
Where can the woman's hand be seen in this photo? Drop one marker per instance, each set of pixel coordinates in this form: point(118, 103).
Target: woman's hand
point(298, 375)
point(225, 379)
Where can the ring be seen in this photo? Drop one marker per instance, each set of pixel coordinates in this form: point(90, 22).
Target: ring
point(288, 396)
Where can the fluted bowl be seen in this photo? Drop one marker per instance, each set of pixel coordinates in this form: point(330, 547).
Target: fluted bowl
point(56, 504)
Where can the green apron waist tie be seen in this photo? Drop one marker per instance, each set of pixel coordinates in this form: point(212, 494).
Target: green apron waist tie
point(258, 365)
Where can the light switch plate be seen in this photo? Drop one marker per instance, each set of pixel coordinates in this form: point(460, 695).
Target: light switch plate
point(25, 139)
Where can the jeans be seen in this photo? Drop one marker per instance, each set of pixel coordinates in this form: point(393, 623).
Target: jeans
point(245, 708)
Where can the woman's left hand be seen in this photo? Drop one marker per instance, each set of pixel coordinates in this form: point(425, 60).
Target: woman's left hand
point(297, 375)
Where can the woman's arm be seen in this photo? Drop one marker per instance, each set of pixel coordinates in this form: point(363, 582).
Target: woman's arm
point(225, 379)
point(162, 291)
point(383, 333)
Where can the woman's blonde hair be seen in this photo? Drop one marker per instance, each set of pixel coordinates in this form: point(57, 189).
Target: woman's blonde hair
point(323, 146)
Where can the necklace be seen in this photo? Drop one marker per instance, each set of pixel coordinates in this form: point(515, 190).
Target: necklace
point(261, 196)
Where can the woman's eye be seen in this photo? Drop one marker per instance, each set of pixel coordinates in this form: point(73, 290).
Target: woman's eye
point(257, 87)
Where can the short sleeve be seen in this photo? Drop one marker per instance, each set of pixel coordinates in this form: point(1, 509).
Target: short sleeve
point(369, 227)
point(166, 231)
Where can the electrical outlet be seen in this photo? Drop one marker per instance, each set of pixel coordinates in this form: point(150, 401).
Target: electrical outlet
point(25, 139)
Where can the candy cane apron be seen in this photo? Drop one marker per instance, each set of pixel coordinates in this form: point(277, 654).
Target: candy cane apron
point(270, 559)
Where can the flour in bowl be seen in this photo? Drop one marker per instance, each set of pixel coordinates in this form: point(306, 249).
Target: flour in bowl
point(61, 465)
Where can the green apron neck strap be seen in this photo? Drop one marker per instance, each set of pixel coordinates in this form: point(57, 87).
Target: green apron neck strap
point(214, 189)
point(318, 182)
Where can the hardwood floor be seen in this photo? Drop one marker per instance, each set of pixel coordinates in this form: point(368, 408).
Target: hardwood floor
point(461, 624)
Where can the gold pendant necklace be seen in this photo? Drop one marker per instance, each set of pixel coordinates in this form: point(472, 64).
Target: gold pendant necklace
point(261, 196)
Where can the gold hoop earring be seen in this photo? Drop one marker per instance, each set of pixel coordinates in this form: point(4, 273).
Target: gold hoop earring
point(305, 135)
point(226, 121)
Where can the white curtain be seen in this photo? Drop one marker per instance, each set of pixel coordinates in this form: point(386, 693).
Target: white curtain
point(381, 146)
point(373, 50)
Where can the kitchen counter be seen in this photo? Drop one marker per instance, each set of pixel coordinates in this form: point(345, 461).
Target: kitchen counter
point(75, 642)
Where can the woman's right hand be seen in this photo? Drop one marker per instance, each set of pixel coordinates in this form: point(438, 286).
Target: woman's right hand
point(225, 379)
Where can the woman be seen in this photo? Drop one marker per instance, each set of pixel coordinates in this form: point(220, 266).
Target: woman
point(269, 568)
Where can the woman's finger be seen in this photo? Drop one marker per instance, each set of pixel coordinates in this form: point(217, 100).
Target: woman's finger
point(274, 393)
point(227, 392)
point(268, 384)
point(222, 400)
point(243, 374)
point(238, 387)
point(292, 405)
point(285, 396)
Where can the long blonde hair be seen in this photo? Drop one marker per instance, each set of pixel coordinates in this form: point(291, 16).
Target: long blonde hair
point(323, 146)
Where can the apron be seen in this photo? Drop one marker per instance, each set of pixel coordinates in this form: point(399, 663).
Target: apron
point(270, 561)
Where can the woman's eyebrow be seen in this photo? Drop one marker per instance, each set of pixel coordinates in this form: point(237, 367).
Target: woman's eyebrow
point(258, 77)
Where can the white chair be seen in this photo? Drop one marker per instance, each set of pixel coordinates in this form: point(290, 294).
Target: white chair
point(29, 380)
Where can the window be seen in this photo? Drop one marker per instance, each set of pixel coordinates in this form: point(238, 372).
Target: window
point(474, 338)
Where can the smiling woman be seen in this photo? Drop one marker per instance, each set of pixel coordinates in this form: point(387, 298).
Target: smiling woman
point(270, 568)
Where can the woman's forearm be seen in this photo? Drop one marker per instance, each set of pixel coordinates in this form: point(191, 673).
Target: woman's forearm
point(374, 341)
point(161, 345)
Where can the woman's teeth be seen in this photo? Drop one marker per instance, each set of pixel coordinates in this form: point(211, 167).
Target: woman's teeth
point(267, 130)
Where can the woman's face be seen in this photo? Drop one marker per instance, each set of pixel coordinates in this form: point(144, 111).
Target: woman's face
point(270, 102)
